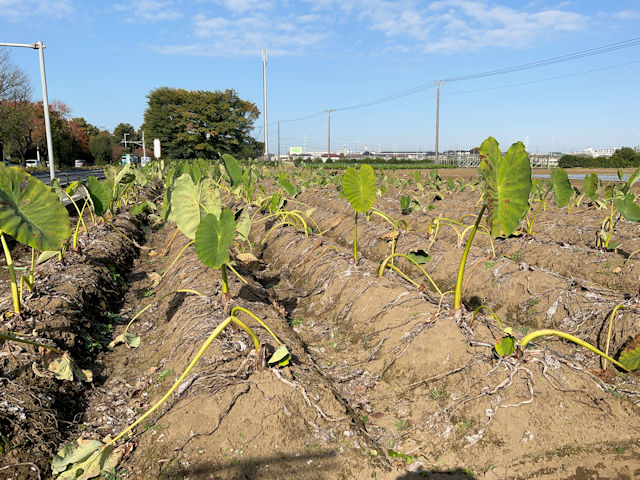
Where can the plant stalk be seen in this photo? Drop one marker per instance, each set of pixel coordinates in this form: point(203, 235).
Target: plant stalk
point(12, 274)
point(457, 297)
point(571, 338)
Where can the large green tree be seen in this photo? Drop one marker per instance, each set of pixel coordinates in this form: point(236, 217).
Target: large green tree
point(101, 147)
point(200, 123)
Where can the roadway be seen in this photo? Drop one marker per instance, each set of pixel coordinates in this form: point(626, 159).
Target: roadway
point(68, 176)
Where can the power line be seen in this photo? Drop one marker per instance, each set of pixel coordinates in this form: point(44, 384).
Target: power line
point(543, 79)
point(550, 61)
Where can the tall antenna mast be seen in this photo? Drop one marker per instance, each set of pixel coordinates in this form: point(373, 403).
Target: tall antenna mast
point(264, 83)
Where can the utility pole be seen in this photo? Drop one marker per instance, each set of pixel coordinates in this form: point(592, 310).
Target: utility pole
point(278, 139)
point(329, 134)
point(438, 82)
point(264, 83)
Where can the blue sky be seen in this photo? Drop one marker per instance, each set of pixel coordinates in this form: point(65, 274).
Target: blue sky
point(103, 58)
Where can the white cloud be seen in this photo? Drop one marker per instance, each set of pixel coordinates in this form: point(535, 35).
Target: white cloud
point(19, 9)
point(247, 35)
point(241, 6)
point(448, 26)
point(149, 10)
point(626, 15)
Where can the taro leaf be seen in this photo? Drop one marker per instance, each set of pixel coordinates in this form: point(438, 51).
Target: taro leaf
point(280, 357)
point(591, 185)
point(72, 188)
point(74, 452)
point(562, 190)
point(46, 255)
point(628, 207)
point(630, 356)
point(64, 368)
point(277, 201)
point(451, 185)
point(420, 257)
point(244, 223)
point(505, 346)
point(190, 202)
point(620, 174)
point(214, 237)
point(247, 179)
point(144, 205)
point(30, 212)
point(101, 459)
point(286, 184)
point(131, 340)
point(233, 169)
point(360, 187)
point(633, 178)
point(405, 203)
point(507, 185)
point(99, 195)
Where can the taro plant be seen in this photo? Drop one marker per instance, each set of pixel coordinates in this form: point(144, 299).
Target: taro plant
point(628, 360)
point(33, 215)
point(506, 184)
point(213, 238)
point(83, 459)
point(359, 188)
point(621, 203)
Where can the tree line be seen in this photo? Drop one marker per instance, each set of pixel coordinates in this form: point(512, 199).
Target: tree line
point(189, 124)
point(621, 158)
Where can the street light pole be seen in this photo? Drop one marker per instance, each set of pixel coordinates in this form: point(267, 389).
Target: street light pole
point(45, 99)
point(45, 104)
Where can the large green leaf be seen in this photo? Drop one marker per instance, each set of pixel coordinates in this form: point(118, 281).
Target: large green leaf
point(99, 195)
point(630, 356)
point(628, 207)
point(562, 190)
point(286, 184)
point(30, 211)
point(507, 185)
point(190, 202)
point(233, 169)
point(214, 237)
point(633, 178)
point(360, 187)
point(591, 186)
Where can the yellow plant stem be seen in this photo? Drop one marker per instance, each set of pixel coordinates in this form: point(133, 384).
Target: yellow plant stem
point(182, 290)
point(203, 348)
point(122, 234)
point(225, 281)
point(176, 259)
point(493, 314)
point(252, 315)
point(12, 274)
point(173, 237)
point(613, 314)
point(457, 299)
point(571, 338)
point(237, 274)
point(385, 264)
point(355, 240)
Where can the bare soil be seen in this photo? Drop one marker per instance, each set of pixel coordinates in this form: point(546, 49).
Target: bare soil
point(385, 382)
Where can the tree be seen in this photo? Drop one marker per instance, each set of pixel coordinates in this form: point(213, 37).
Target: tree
point(88, 129)
point(200, 123)
point(14, 84)
point(15, 92)
point(101, 147)
point(121, 129)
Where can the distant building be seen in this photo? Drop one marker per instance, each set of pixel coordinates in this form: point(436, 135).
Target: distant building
point(596, 152)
